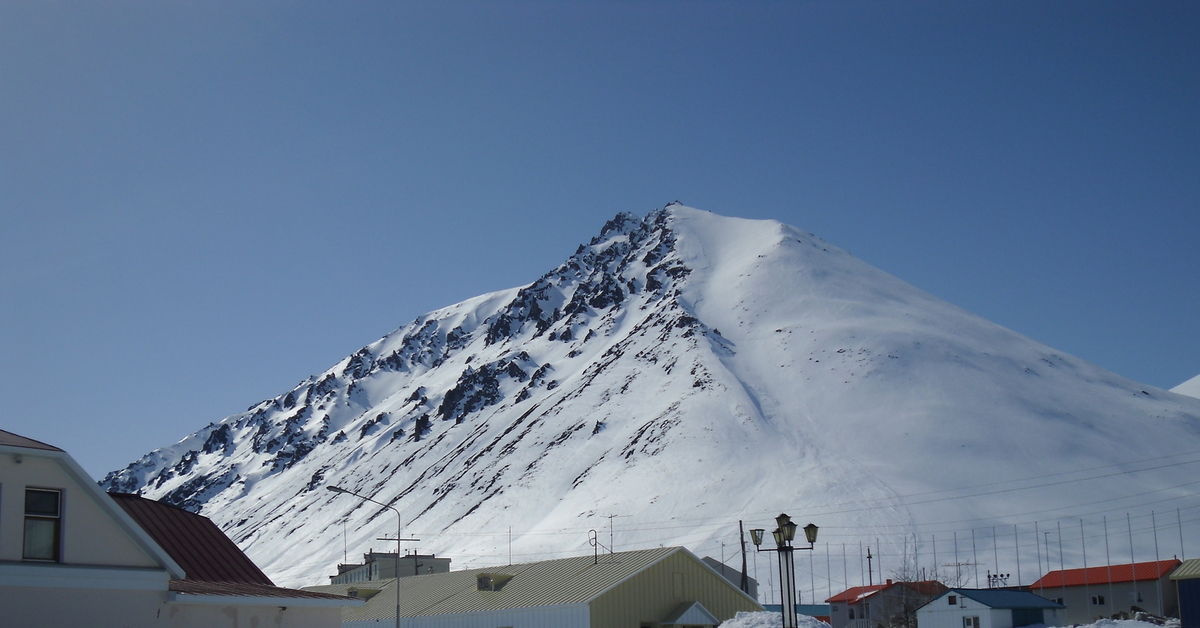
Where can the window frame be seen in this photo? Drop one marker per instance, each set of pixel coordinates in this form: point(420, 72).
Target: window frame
point(56, 519)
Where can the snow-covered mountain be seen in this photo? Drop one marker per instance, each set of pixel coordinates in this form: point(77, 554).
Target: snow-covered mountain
point(1190, 388)
point(682, 371)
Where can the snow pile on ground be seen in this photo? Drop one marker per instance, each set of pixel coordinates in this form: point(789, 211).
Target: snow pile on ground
point(1129, 623)
point(768, 619)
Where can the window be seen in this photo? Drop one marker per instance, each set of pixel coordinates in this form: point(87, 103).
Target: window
point(970, 622)
point(1058, 600)
point(42, 524)
point(851, 612)
point(1097, 600)
point(952, 600)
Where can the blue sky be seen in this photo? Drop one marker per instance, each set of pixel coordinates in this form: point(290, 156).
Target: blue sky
point(203, 203)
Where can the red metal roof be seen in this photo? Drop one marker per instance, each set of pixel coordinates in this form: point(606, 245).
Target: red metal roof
point(854, 595)
point(193, 541)
point(16, 440)
point(1152, 570)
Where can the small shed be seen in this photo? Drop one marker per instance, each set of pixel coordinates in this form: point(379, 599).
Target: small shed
point(988, 608)
point(1187, 586)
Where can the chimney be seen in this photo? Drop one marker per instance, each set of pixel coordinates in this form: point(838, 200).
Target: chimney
point(889, 581)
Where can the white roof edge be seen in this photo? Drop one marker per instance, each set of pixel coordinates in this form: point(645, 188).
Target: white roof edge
point(256, 600)
point(107, 504)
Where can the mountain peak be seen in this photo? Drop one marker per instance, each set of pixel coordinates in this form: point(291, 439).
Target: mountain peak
point(667, 370)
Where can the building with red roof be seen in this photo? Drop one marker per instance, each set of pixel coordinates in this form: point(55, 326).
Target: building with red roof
point(1094, 592)
point(873, 605)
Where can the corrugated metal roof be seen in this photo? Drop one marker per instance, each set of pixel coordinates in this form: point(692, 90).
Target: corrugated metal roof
point(16, 440)
point(1152, 570)
point(999, 598)
point(193, 541)
point(1187, 570)
point(245, 589)
point(548, 583)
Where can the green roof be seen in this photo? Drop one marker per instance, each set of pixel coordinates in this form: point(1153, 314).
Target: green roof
point(1188, 570)
point(576, 580)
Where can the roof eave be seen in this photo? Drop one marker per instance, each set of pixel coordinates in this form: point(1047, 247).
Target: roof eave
point(257, 600)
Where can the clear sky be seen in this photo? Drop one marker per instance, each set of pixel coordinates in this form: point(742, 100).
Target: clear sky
point(203, 203)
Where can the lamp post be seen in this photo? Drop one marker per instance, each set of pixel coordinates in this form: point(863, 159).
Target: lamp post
point(784, 533)
point(338, 489)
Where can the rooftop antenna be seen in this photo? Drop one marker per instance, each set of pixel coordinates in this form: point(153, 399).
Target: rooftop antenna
point(611, 543)
point(596, 545)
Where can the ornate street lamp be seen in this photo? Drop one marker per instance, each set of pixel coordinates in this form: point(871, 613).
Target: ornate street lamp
point(338, 489)
point(784, 534)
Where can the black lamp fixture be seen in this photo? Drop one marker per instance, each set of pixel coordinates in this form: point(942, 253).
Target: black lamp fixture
point(784, 534)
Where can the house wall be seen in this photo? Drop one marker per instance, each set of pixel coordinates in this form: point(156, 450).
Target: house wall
point(1080, 609)
point(89, 536)
point(650, 596)
point(39, 607)
point(179, 615)
point(561, 616)
point(941, 614)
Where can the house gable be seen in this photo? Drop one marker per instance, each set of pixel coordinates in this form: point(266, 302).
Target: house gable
point(652, 594)
point(93, 531)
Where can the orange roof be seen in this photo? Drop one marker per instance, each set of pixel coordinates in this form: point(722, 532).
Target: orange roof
point(1152, 570)
point(854, 595)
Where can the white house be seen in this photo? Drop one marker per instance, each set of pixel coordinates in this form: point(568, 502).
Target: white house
point(988, 608)
point(70, 556)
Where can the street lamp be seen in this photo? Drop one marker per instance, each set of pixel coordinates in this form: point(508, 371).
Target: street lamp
point(338, 489)
point(784, 534)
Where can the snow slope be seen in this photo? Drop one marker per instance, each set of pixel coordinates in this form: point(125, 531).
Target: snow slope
point(682, 371)
point(1190, 388)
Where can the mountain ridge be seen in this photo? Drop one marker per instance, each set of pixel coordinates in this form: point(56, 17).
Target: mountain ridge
point(608, 385)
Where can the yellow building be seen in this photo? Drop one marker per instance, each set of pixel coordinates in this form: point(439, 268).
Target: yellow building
point(662, 587)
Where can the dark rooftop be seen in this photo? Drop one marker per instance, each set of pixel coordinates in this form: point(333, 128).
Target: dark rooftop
point(1000, 598)
point(193, 541)
point(13, 440)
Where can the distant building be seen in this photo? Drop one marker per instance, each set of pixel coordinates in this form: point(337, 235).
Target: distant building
point(989, 608)
point(732, 575)
point(73, 555)
point(1187, 587)
point(382, 566)
point(1104, 591)
point(660, 588)
point(881, 604)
